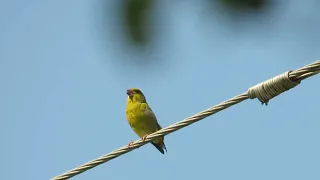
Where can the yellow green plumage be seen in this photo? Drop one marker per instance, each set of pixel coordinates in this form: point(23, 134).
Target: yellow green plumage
point(141, 117)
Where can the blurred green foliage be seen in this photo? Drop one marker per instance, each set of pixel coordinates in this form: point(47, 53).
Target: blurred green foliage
point(136, 15)
point(244, 5)
point(138, 12)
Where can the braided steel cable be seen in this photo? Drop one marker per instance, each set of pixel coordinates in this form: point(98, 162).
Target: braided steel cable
point(263, 91)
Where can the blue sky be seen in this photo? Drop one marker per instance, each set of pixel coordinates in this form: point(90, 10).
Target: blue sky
point(64, 75)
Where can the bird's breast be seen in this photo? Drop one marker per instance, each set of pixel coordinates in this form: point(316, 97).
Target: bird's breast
point(134, 114)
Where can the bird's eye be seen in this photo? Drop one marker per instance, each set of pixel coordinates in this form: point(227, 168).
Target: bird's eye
point(137, 91)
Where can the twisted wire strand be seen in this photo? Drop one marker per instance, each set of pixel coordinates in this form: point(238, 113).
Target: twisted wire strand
point(305, 72)
point(297, 76)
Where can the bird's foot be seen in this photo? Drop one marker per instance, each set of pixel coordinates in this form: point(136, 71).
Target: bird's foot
point(144, 137)
point(130, 143)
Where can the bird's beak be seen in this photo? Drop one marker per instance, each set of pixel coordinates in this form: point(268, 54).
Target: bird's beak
point(129, 92)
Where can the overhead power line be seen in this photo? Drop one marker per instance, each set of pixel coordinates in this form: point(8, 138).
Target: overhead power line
point(263, 91)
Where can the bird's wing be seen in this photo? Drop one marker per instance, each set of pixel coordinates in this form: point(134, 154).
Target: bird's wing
point(153, 126)
point(153, 117)
point(150, 118)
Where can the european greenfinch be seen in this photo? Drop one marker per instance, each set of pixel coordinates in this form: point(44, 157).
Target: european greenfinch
point(142, 119)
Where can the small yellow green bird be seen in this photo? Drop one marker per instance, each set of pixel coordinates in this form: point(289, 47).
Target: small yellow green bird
point(142, 119)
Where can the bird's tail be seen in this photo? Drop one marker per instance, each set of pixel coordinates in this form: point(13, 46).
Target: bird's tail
point(160, 146)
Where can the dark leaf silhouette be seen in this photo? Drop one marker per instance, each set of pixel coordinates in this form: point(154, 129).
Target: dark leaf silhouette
point(136, 14)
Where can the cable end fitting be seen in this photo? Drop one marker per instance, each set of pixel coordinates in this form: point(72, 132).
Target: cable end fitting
point(272, 87)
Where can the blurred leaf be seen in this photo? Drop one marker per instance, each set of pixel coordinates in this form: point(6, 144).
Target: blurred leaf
point(245, 4)
point(137, 12)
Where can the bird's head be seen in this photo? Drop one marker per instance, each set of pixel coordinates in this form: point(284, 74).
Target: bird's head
point(136, 95)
